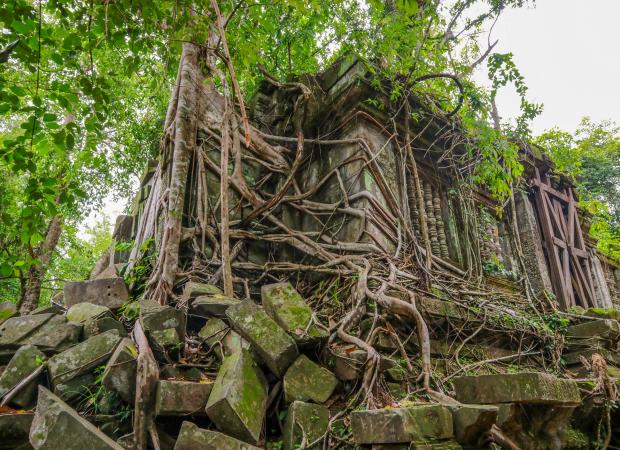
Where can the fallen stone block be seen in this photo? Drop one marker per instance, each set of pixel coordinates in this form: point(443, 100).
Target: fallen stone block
point(602, 328)
point(169, 371)
point(472, 421)
point(108, 272)
point(98, 325)
point(525, 387)
point(110, 292)
point(82, 357)
point(120, 372)
point(49, 332)
point(76, 388)
point(182, 398)
point(284, 305)
point(194, 289)
point(400, 425)
point(305, 419)
point(157, 318)
point(213, 305)
point(82, 312)
point(239, 398)
point(48, 309)
point(193, 438)
point(7, 310)
point(26, 360)
point(14, 429)
point(57, 426)
point(305, 380)
point(166, 344)
point(216, 331)
point(274, 346)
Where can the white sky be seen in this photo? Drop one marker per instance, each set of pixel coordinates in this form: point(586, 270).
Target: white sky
point(568, 52)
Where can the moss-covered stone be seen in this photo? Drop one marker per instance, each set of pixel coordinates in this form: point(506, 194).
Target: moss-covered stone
point(82, 357)
point(216, 331)
point(239, 398)
point(603, 328)
point(400, 425)
point(57, 426)
point(305, 419)
point(524, 387)
point(213, 305)
point(26, 360)
point(156, 318)
point(182, 398)
point(49, 332)
point(193, 438)
point(305, 380)
point(284, 305)
point(272, 344)
point(82, 312)
point(166, 344)
point(472, 421)
point(14, 429)
point(120, 372)
point(194, 289)
point(98, 325)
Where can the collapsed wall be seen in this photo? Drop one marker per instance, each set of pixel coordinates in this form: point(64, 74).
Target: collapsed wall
point(379, 300)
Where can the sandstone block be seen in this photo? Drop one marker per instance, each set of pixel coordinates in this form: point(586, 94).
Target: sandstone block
point(307, 418)
point(49, 332)
point(98, 325)
point(213, 305)
point(238, 400)
point(182, 398)
point(216, 330)
point(157, 318)
point(194, 289)
point(604, 328)
point(120, 372)
point(400, 425)
point(284, 305)
point(193, 438)
point(84, 311)
point(110, 292)
point(305, 380)
point(14, 429)
point(274, 346)
point(82, 357)
point(166, 344)
point(25, 361)
point(57, 426)
point(525, 387)
point(472, 421)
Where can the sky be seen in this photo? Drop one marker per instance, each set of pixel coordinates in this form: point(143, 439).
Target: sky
point(568, 52)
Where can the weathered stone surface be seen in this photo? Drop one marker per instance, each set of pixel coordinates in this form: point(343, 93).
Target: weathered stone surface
point(604, 328)
point(48, 309)
point(398, 425)
point(98, 325)
point(81, 312)
point(166, 343)
point(284, 305)
point(525, 387)
point(26, 360)
point(213, 305)
point(194, 289)
point(182, 398)
point(238, 400)
point(305, 380)
point(49, 332)
point(347, 362)
point(56, 426)
point(471, 421)
point(216, 330)
point(312, 419)
point(109, 272)
point(14, 429)
point(274, 346)
point(193, 438)
point(169, 371)
point(156, 317)
point(82, 357)
point(120, 372)
point(76, 388)
point(603, 313)
point(7, 310)
point(110, 292)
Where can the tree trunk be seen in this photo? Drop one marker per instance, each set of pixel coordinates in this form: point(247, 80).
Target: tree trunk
point(190, 84)
point(37, 272)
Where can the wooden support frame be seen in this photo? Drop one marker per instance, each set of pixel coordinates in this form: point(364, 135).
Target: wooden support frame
point(569, 260)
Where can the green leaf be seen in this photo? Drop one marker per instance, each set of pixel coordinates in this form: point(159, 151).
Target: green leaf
point(26, 27)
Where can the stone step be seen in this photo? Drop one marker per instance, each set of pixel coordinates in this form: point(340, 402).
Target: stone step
point(524, 387)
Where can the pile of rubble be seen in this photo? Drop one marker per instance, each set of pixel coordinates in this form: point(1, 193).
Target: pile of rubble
point(238, 375)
